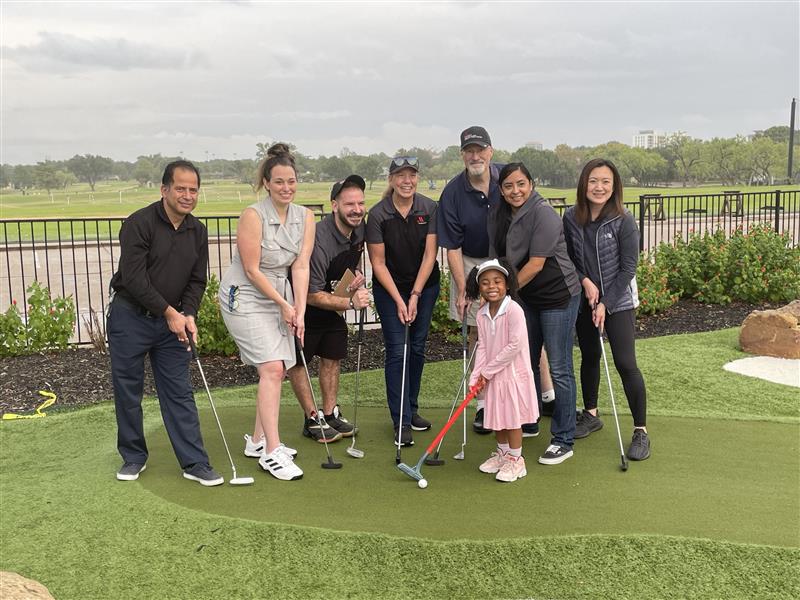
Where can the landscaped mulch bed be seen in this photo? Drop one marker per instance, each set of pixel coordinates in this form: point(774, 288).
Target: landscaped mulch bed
point(82, 376)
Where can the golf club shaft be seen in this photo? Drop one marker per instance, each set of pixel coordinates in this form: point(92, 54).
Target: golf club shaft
point(459, 392)
point(473, 391)
point(403, 389)
point(464, 366)
point(358, 374)
point(611, 393)
point(320, 418)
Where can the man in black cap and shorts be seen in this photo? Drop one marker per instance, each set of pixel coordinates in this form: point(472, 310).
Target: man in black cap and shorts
point(338, 247)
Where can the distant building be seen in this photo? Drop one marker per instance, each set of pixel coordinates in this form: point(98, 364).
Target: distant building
point(534, 145)
point(649, 138)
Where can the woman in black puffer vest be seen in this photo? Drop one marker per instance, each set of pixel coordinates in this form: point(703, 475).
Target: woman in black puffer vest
point(603, 243)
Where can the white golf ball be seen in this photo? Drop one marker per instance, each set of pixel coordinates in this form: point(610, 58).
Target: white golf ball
point(422, 483)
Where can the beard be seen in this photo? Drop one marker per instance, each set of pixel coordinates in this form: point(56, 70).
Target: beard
point(476, 170)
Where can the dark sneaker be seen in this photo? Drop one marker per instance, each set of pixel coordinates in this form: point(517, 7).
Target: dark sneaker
point(640, 445)
point(477, 424)
point(337, 421)
point(530, 430)
point(130, 471)
point(555, 455)
point(419, 423)
point(586, 423)
point(321, 434)
point(203, 474)
point(405, 437)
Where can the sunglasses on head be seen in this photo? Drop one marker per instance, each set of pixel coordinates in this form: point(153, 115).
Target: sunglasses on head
point(405, 161)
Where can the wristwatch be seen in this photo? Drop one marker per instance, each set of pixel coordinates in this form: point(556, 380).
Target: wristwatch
point(353, 306)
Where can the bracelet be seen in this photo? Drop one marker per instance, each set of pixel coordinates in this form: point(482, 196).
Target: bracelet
point(353, 306)
point(416, 293)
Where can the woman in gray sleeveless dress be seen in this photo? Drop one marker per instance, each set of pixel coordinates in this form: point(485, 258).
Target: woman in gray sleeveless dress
point(264, 311)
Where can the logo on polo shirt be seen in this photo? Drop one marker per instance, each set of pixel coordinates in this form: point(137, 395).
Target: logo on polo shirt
point(422, 219)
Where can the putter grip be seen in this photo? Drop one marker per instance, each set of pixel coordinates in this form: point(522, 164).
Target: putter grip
point(192, 344)
point(473, 391)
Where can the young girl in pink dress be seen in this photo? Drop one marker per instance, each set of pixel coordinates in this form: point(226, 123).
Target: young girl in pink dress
point(503, 366)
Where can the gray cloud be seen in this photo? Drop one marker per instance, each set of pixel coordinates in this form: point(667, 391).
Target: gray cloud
point(56, 51)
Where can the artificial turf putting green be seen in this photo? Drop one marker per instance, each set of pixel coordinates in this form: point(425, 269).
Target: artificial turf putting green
point(700, 470)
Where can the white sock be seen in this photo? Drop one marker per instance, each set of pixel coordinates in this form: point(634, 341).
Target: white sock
point(515, 452)
point(480, 404)
point(503, 448)
point(548, 396)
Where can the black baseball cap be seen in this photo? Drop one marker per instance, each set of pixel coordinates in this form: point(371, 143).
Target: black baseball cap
point(475, 135)
point(349, 181)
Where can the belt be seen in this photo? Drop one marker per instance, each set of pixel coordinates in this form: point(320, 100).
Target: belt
point(137, 308)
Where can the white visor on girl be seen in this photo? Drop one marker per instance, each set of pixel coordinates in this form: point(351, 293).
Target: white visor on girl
point(490, 265)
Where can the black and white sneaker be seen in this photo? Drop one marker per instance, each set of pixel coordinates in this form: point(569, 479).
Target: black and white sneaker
point(477, 424)
point(586, 423)
point(130, 471)
point(419, 423)
point(405, 436)
point(280, 465)
point(530, 430)
point(555, 455)
point(254, 449)
point(204, 475)
point(320, 432)
point(337, 421)
point(640, 445)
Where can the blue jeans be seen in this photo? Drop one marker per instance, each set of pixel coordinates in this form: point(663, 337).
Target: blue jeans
point(131, 336)
point(394, 339)
point(554, 328)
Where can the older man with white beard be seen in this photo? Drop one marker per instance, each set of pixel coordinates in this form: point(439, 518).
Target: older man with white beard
point(461, 227)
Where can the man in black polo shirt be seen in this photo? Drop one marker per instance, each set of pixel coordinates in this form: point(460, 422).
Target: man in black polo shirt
point(338, 246)
point(156, 292)
point(461, 226)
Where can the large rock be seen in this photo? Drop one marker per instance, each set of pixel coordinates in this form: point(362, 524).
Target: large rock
point(16, 587)
point(772, 332)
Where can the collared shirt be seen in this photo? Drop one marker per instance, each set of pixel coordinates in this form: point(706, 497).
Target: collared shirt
point(333, 254)
point(464, 212)
point(403, 239)
point(159, 265)
point(537, 231)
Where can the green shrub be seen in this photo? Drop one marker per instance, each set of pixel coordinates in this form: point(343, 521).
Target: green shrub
point(213, 336)
point(654, 292)
point(697, 268)
point(49, 327)
point(441, 321)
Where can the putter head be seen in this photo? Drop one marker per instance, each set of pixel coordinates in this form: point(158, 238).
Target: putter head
point(624, 464)
point(434, 461)
point(459, 456)
point(410, 471)
point(242, 481)
point(331, 465)
point(355, 452)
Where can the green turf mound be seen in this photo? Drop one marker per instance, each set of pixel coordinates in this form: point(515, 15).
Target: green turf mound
point(706, 479)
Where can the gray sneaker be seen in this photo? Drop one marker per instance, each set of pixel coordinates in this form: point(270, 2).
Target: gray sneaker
point(586, 423)
point(130, 471)
point(203, 474)
point(640, 445)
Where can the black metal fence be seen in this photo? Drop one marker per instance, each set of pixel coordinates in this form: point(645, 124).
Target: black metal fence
point(77, 257)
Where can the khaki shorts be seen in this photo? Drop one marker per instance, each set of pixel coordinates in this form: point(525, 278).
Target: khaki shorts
point(472, 313)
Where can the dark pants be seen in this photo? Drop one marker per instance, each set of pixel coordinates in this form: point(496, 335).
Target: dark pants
point(393, 338)
point(619, 328)
point(553, 328)
point(132, 335)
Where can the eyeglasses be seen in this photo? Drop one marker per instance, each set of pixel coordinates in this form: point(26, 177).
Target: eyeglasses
point(404, 161)
point(233, 298)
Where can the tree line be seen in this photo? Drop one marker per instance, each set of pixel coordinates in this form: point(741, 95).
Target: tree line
point(758, 159)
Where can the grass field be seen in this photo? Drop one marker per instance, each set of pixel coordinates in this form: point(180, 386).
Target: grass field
point(119, 199)
point(715, 512)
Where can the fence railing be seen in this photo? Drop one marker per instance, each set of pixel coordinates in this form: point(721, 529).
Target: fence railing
point(77, 257)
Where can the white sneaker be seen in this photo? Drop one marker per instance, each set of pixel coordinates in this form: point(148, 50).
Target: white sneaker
point(280, 465)
point(513, 468)
point(256, 449)
point(493, 463)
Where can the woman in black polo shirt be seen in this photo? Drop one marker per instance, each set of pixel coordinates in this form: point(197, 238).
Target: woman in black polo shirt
point(401, 241)
point(529, 234)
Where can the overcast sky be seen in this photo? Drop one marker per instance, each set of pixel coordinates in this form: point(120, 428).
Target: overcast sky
point(214, 78)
